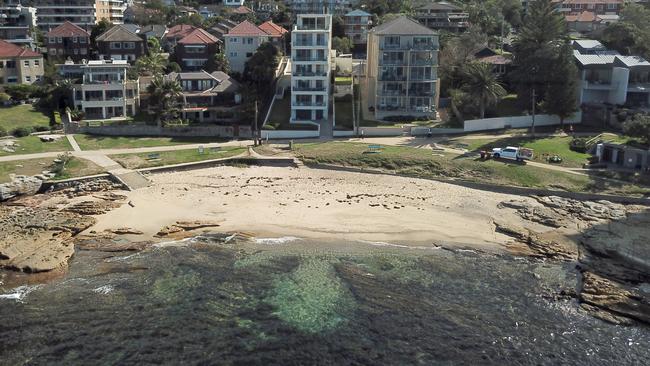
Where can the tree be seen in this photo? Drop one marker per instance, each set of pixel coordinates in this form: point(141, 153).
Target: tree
point(21, 91)
point(457, 52)
point(536, 49)
point(338, 27)
point(561, 94)
point(153, 45)
point(342, 45)
point(164, 98)
point(260, 68)
point(631, 35)
point(218, 62)
point(639, 126)
point(482, 85)
point(97, 30)
point(151, 64)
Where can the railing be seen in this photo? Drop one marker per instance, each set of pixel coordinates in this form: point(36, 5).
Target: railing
point(409, 46)
point(310, 44)
point(392, 93)
point(309, 73)
point(300, 88)
point(422, 62)
point(313, 59)
point(420, 93)
point(308, 104)
point(392, 78)
point(392, 62)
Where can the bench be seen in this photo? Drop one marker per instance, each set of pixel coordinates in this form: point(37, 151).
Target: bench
point(374, 148)
point(153, 156)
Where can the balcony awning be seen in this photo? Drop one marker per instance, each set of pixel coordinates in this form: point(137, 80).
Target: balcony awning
point(195, 109)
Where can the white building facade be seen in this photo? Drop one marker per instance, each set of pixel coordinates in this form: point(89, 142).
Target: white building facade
point(311, 67)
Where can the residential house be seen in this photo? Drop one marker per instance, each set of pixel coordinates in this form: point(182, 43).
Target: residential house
point(19, 65)
point(595, 6)
point(357, 23)
point(209, 10)
point(222, 28)
point(243, 10)
point(607, 77)
point(103, 91)
point(402, 69)
point(68, 41)
point(241, 43)
point(157, 31)
point(264, 9)
point(175, 34)
point(277, 34)
point(16, 23)
point(208, 97)
point(588, 21)
point(311, 65)
point(194, 50)
point(118, 43)
point(501, 63)
point(184, 11)
point(233, 3)
point(52, 13)
point(443, 15)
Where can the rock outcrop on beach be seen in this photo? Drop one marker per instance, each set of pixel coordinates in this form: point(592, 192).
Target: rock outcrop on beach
point(180, 228)
point(20, 185)
point(530, 243)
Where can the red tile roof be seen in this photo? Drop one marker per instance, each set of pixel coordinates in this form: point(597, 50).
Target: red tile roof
point(198, 36)
point(68, 29)
point(243, 10)
point(273, 29)
point(179, 31)
point(585, 16)
point(11, 50)
point(246, 28)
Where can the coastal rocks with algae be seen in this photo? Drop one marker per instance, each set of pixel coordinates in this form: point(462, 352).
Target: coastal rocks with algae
point(612, 251)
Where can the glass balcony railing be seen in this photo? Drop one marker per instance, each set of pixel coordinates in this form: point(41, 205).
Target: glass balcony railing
point(309, 88)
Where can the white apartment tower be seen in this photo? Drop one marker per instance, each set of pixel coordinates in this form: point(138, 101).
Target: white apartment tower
point(310, 67)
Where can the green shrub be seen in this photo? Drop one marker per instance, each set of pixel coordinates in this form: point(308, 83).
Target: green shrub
point(57, 118)
point(21, 91)
point(579, 144)
point(40, 128)
point(21, 131)
point(4, 97)
point(268, 127)
point(3, 131)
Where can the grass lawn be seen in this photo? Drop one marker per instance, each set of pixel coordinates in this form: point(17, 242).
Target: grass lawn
point(22, 116)
point(281, 114)
point(543, 147)
point(91, 142)
point(75, 168)
point(343, 80)
point(423, 163)
point(137, 161)
point(33, 145)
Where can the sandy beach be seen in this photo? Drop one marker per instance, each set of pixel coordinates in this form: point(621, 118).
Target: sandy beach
point(318, 204)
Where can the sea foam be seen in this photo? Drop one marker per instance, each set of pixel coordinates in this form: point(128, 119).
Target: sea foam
point(19, 293)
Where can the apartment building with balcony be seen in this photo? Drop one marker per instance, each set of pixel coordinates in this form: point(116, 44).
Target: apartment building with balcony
point(16, 22)
point(111, 10)
point(311, 62)
point(67, 41)
point(19, 65)
point(443, 15)
point(606, 77)
point(52, 13)
point(241, 43)
point(356, 26)
point(594, 6)
point(102, 90)
point(402, 70)
point(332, 7)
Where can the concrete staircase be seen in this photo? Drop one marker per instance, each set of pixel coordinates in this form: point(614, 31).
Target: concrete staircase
point(130, 178)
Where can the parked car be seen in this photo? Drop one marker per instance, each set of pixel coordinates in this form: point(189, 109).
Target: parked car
point(515, 153)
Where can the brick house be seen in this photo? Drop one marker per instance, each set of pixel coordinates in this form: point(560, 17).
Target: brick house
point(195, 49)
point(119, 43)
point(19, 65)
point(175, 34)
point(68, 41)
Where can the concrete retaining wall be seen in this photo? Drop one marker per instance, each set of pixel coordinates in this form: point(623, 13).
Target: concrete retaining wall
point(423, 131)
point(381, 131)
point(517, 122)
point(289, 134)
point(343, 133)
point(147, 130)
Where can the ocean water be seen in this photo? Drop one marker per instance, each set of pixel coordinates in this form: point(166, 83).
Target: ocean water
point(215, 300)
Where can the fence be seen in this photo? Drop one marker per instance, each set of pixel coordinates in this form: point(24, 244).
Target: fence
point(517, 122)
point(289, 134)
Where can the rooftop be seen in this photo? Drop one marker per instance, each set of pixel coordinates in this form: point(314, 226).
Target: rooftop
point(68, 29)
point(198, 36)
point(243, 10)
point(246, 28)
point(442, 5)
point(179, 31)
point(402, 26)
point(11, 50)
point(273, 29)
point(358, 13)
point(119, 33)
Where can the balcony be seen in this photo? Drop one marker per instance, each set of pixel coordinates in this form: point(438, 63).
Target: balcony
point(598, 84)
point(392, 93)
point(308, 104)
point(423, 62)
point(310, 44)
point(309, 59)
point(392, 77)
point(392, 62)
point(310, 74)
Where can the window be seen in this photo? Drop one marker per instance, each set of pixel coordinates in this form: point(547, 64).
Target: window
point(75, 39)
point(51, 40)
point(82, 40)
point(37, 63)
point(26, 63)
point(249, 41)
point(59, 40)
point(611, 6)
point(233, 54)
point(28, 79)
point(129, 45)
point(38, 77)
point(12, 79)
point(11, 64)
point(234, 40)
point(249, 54)
point(84, 51)
point(76, 51)
point(116, 45)
point(52, 51)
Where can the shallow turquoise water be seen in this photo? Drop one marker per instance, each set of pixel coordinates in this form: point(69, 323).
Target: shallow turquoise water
point(218, 304)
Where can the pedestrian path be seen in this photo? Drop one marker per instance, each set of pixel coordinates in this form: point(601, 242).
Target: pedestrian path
point(73, 142)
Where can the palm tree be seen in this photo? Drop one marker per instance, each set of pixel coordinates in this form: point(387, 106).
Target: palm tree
point(164, 97)
point(481, 84)
point(152, 64)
